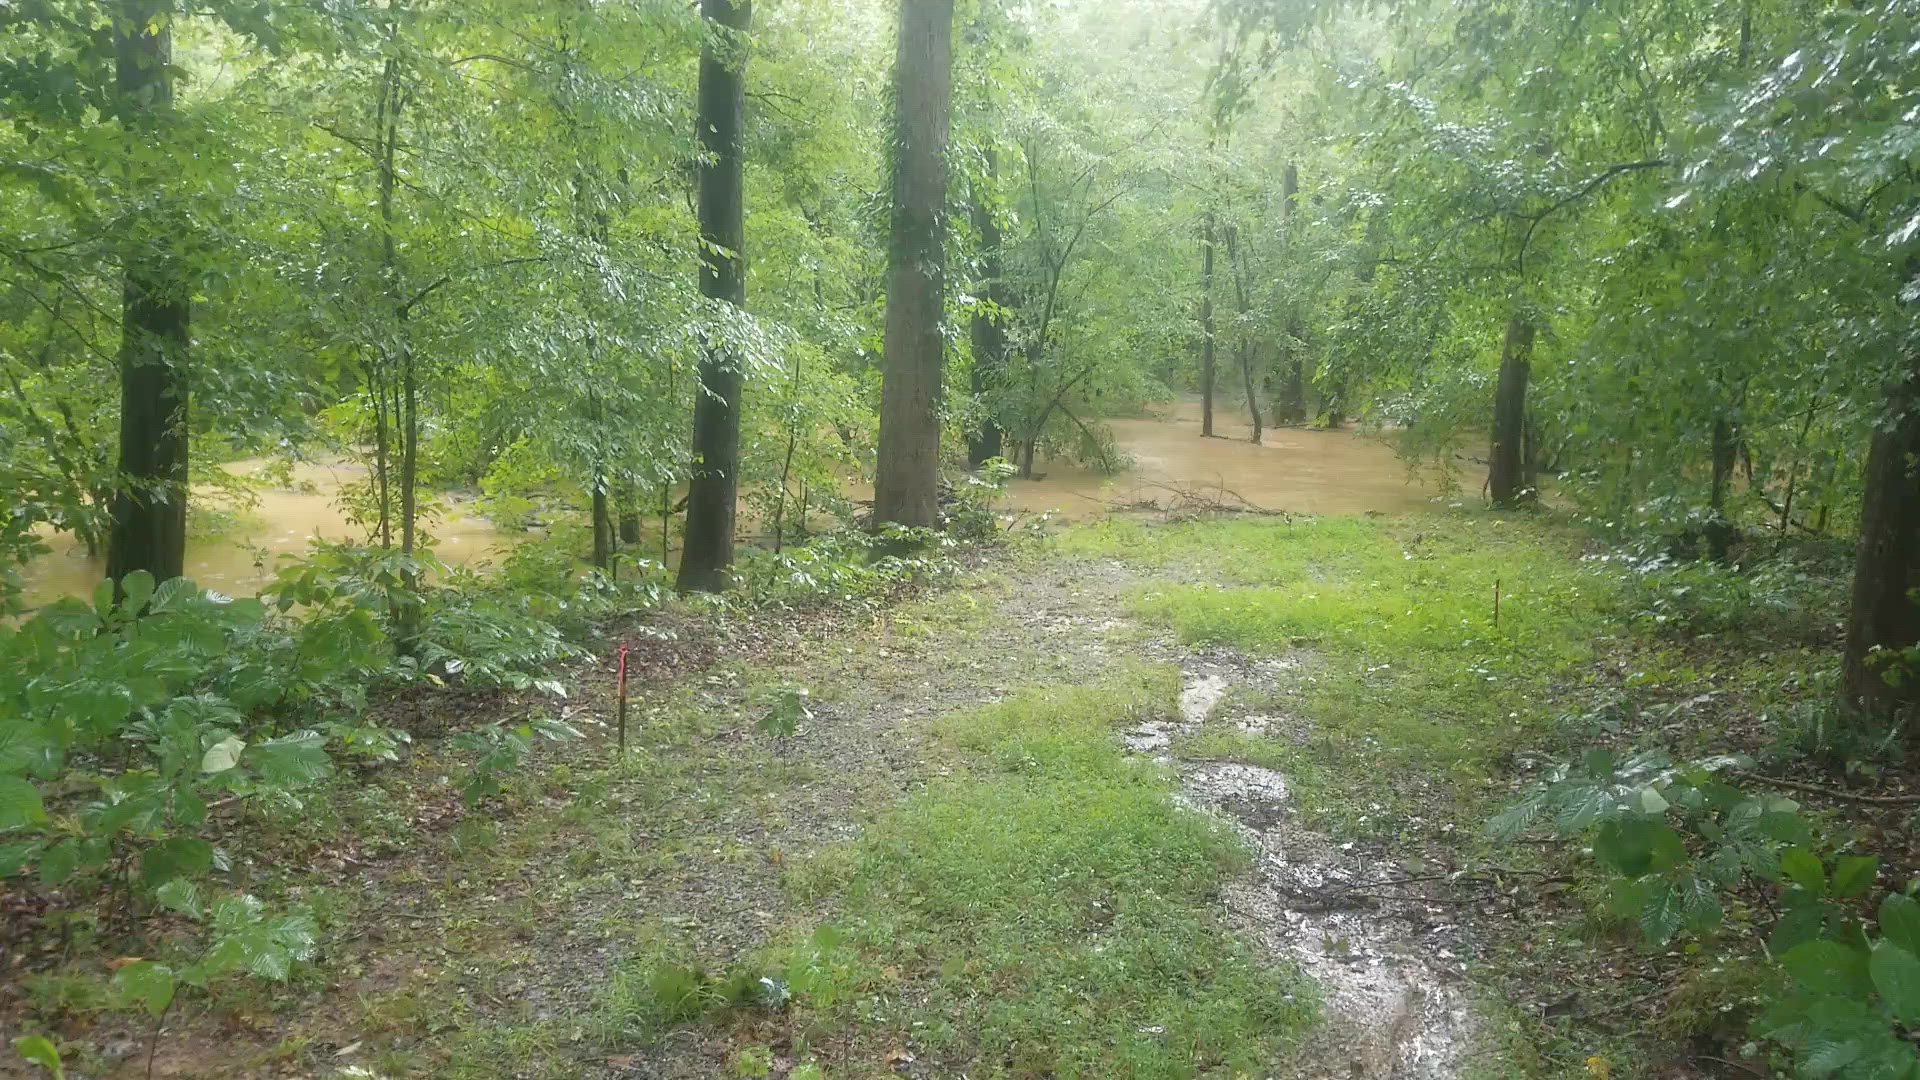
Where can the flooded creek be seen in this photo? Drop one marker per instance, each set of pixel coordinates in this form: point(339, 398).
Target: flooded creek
point(1293, 469)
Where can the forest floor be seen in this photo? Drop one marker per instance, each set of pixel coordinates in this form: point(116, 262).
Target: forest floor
point(1149, 798)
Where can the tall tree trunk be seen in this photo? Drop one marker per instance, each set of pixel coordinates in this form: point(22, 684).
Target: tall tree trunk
point(713, 491)
point(1206, 325)
point(1290, 406)
point(907, 476)
point(1884, 615)
point(150, 502)
point(1506, 479)
point(989, 337)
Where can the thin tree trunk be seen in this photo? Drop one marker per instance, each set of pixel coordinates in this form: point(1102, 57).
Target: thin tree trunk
point(1243, 346)
point(1506, 483)
point(1206, 325)
point(713, 491)
point(1884, 617)
point(602, 527)
point(989, 337)
point(150, 503)
point(907, 476)
point(1291, 405)
point(1724, 452)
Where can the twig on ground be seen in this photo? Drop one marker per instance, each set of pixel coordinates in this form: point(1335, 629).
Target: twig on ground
point(1835, 793)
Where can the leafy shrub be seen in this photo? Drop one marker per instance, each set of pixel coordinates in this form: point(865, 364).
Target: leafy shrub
point(1678, 839)
point(846, 566)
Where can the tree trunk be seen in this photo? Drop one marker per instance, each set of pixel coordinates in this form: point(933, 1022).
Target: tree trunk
point(1725, 449)
point(907, 476)
point(1206, 325)
point(150, 502)
point(1506, 479)
point(713, 489)
point(1290, 405)
point(989, 337)
point(1243, 347)
point(1884, 615)
point(602, 527)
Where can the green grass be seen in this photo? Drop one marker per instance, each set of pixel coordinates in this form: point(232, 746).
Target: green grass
point(1046, 911)
point(1417, 672)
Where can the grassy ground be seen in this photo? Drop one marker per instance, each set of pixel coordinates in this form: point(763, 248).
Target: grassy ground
point(952, 867)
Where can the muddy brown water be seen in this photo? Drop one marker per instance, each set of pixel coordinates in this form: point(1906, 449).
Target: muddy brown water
point(1294, 469)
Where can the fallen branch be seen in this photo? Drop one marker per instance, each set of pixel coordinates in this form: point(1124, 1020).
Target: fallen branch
point(1835, 793)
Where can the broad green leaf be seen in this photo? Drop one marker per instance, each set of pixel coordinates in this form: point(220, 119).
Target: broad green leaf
point(1828, 967)
point(138, 587)
point(1900, 921)
point(175, 857)
point(180, 895)
point(222, 755)
point(1803, 868)
point(39, 1050)
point(147, 984)
point(1896, 974)
point(1853, 875)
point(20, 805)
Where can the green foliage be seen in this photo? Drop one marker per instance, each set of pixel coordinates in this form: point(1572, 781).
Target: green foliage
point(500, 748)
point(1680, 842)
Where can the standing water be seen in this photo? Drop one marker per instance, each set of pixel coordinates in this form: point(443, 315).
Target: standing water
point(1298, 470)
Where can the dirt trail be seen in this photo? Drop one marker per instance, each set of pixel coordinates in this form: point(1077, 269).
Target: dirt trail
point(1395, 1006)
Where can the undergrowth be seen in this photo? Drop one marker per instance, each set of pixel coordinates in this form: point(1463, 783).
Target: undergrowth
point(1045, 911)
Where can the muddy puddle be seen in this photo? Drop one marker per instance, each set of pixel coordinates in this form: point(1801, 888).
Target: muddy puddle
point(1390, 973)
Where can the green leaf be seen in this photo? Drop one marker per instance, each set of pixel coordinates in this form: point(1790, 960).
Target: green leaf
point(20, 804)
point(1626, 844)
point(1896, 974)
point(139, 589)
point(175, 857)
point(1853, 875)
point(181, 895)
point(1828, 967)
point(222, 755)
point(146, 984)
point(58, 862)
point(1803, 868)
point(1652, 802)
point(40, 1050)
point(1900, 921)
point(291, 760)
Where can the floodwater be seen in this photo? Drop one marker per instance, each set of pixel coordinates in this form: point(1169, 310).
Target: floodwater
point(1294, 469)
point(282, 521)
point(1298, 470)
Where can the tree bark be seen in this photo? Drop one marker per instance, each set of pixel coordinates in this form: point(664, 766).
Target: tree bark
point(1206, 325)
point(1506, 466)
point(1243, 345)
point(1724, 451)
point(150, 501)
point(1290, 405)
point(706, 551)
point(989, 337)
point(1884, 614)
point(907, 476)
